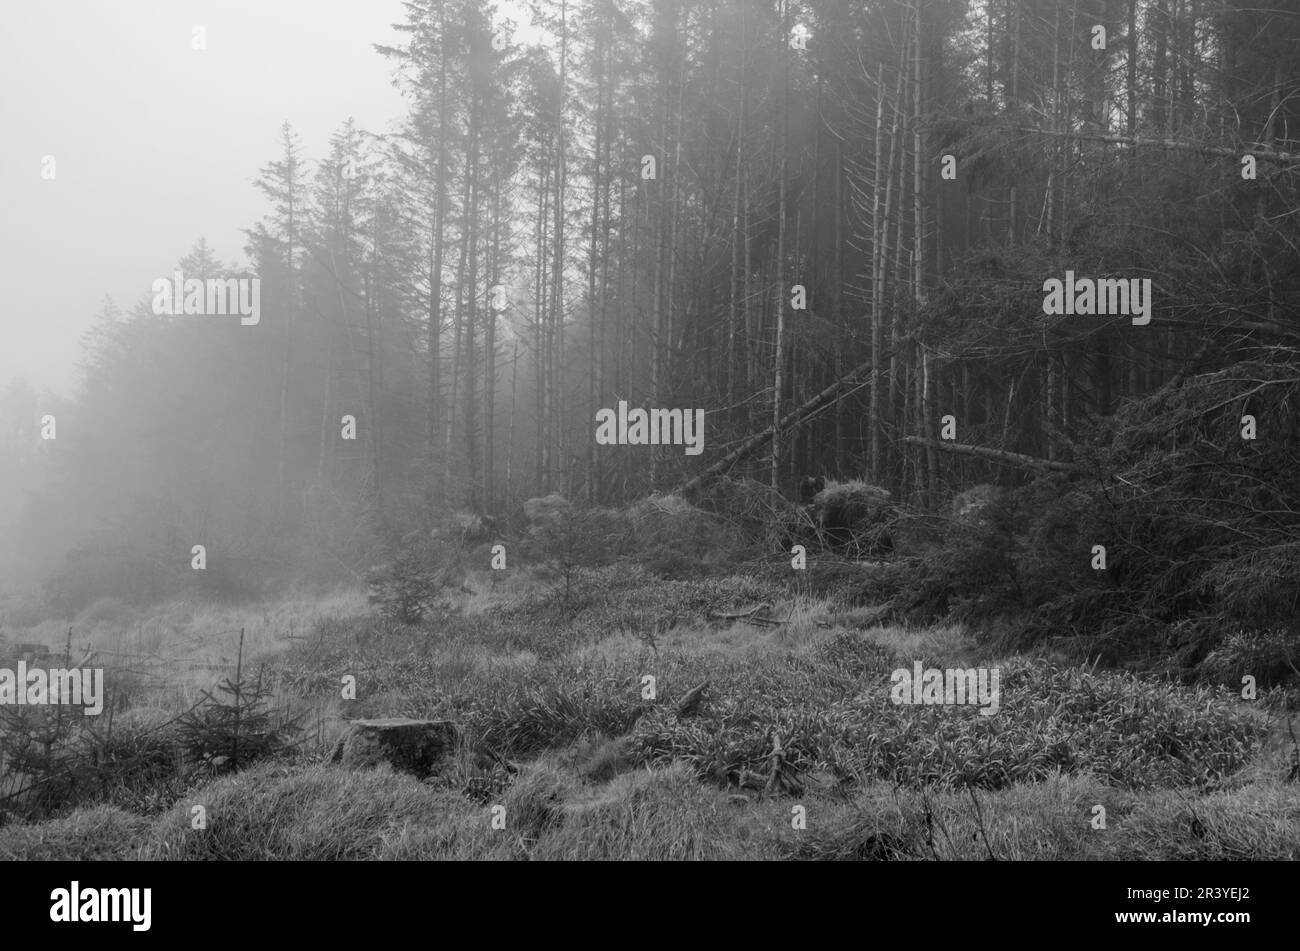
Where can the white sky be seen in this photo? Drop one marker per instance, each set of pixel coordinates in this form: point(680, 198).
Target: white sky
point(156, 143)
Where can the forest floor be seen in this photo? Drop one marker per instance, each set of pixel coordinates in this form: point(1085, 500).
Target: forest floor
point(569, 753)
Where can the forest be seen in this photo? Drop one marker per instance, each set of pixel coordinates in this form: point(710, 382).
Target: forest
point(961, 312)
point(723, 205)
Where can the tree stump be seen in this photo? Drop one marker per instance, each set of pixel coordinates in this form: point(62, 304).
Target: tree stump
point(419, 747)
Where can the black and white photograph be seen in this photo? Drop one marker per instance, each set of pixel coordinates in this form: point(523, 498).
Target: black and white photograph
point(651, 431)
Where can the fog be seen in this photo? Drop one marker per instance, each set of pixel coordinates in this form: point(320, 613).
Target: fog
point(156, 143)
point(629, 416)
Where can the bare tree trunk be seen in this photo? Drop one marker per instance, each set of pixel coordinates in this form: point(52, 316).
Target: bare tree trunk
point(1160, 66)
point(1015, 104)
point(1261, 154)
point(327, 381)
point(778, 384)
point(1132, 68)
point(556, 391)
point(593, 356)
point(490, 356)
point(474, 498)
point(620, 331)
point(542, 337)
point(988, 50)
point(510, 439)
point(668, 348)
point(738, 263)
point(374, 376)
point(841, 318)
point(877, 278)
point(888, 263)
point(458, 327)
point(1066, 122)
point(291, 243)
point(1048, 420)
point(602, 345)
point(918, 255)
point(632, 320)
point(1049, 201)
point(433, 487)
point(999, 455)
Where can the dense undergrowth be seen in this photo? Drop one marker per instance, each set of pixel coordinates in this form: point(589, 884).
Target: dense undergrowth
point(549, 694)
point(640, 684)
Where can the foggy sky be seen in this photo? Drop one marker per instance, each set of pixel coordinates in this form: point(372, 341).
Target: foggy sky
point(156, 143)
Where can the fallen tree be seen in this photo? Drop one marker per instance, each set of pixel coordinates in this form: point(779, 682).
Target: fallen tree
point(827, 397)
point(995, 455)
point(1261, 152)
point(830, 396)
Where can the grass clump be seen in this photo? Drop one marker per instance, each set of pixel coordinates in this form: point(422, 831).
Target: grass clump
point(319, 813)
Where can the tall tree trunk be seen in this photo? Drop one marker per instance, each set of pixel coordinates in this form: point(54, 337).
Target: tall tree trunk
point(918, 253)
point(1015, 106)
point(556, 396)
point(510, 428)
point(841, 319)
point(735, 369)
point(1159, 66)
point(988, 51)
point(781, 292)
point(1132, 67)
point(473, 498)
point(490, 356)
point(889, 258)
point(1049, 422)
point(669, 349)
point(602, 343)
point(433, 487)
point(1049, 201)
point(542, 336)
point(877, 279)
point(291, 305)
point(374, 372)
point(593, 356)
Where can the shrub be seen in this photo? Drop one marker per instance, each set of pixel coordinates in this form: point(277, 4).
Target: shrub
point(406, 589)
point(61, 762)
point(1270, 656)
point(761, 515)
point(237, 727)
point(1197, 529)
point(854, 655)
point(566, 540)
point(855, 514)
